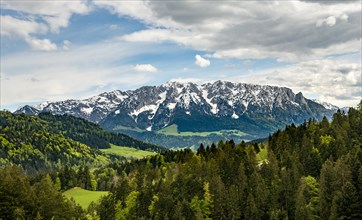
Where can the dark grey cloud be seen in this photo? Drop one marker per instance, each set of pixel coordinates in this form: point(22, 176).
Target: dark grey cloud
point(321, 78)
point(33, 79)
point(344, 70)
point(331, 1)
point(251, 29)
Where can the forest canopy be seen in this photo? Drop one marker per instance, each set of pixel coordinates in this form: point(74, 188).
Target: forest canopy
point(310, 171)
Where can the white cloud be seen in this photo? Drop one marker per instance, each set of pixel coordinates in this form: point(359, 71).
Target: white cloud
point(17, 28)
point(248, 29)
point(190, 79)
point(145, 68)
point(66, 44)
point(55, 13)
point(41, 44)
point(183, 37)
point(232, 29)
point(13, 27)
point(335, 81)
point(202, 62)
point(33, 76)
point(330, 21)
point(39, 17)
point(114, 27)
point(343, 17)
point(140, 10)
point(285, 31)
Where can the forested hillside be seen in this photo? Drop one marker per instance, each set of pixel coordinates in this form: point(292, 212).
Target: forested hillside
point(312, 171)
point(27, 141)
point(309, 172)
point(92, 134)
point(47, 142)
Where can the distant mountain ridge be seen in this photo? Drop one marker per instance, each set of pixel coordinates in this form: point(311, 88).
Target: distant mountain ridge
point(326, 105)
point(221, 105)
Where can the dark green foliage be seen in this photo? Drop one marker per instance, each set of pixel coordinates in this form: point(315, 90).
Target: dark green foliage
point(312, 171)
point(91, 134)
point(171, 141)
point(21, 200)
point(106, 209)
point(28, 141)
point(48, 142)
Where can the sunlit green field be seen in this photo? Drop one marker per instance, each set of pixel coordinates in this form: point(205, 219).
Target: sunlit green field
point(262, 155)
point(127, 152)
point(173, 130)
point(84, 197)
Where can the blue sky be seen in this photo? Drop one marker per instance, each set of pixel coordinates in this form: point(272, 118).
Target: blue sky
point(52, 51)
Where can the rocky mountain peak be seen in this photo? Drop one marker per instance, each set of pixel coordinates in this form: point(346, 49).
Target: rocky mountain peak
point(189, 105)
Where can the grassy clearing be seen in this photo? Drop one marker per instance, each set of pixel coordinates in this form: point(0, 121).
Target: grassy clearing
point(120, 128)
point(262, 155)
point(173, 131)
point(127, 152)
point(84, 197)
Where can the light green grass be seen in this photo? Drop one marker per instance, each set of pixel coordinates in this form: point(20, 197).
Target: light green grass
point(84, 197)
point(127, 152)
point(120, 128)
point(173, 131)
point(262, 155)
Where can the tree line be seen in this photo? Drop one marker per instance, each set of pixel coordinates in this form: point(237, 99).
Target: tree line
point(310, 171)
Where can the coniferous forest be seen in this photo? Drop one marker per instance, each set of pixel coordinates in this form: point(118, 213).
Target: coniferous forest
point(309, 171)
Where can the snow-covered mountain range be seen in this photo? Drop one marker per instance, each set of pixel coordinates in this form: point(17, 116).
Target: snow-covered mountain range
point(221, 105)
point(326, 105)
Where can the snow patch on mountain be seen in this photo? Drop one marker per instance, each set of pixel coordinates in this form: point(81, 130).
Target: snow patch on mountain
point(294, 103)
point(162, 96)
point(120, 96)
point(234, 116)
point(171, 106)
point(326, 105)
point(154, 107)
point(41, 106)
point(151, 108)
point(88, 110)
point(214, 109)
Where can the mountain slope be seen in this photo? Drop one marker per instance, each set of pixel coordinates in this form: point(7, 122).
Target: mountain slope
point(253, 109)
point(26, 141)
point(92, 134)
point(48, 141)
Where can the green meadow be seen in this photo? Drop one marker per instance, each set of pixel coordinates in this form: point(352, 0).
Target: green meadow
point(127, 152)
point(84, 197)
point(262, 156)
point(173, 130)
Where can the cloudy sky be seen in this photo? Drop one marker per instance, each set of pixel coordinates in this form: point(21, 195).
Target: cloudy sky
point(56, 50)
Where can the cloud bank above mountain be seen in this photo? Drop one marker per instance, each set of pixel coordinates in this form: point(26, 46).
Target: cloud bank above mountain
point(293, 43)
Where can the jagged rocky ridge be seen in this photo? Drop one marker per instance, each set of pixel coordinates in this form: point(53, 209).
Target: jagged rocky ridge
point(254, 109)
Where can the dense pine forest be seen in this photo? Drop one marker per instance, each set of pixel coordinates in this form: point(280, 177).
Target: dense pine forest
point(310, 171)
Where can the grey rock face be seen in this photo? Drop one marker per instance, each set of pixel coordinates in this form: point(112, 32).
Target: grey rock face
point(211, 106)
